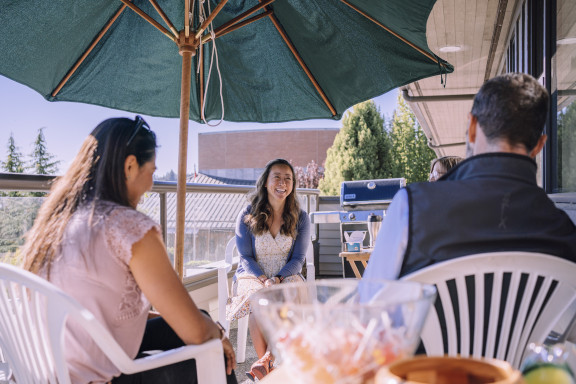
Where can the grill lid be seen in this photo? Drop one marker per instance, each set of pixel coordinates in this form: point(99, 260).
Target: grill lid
point(369, 194)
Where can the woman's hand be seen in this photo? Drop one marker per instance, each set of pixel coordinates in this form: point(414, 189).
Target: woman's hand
point(227, 347)
point(272, 281)
point(262, 278)
point(230, 355)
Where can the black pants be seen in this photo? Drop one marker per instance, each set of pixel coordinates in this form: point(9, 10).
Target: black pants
point(159, 336)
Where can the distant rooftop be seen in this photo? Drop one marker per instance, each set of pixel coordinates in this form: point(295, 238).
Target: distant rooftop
point(206, 179)
point(214, 211)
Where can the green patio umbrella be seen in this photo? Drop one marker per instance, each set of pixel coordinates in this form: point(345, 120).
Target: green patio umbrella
point(279, 60)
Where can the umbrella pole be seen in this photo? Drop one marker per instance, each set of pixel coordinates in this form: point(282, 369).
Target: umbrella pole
point(187, 51)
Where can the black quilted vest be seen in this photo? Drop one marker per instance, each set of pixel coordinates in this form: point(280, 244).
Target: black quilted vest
point(488, 203)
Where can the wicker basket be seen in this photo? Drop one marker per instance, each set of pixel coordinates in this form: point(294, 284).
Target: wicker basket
point(448, 370)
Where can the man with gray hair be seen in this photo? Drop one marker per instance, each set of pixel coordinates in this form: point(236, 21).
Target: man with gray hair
point(490, 202)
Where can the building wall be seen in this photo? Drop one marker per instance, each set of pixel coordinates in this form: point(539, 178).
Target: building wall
point(243, 154)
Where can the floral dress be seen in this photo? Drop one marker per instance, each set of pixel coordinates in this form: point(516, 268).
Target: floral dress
point(271, 254)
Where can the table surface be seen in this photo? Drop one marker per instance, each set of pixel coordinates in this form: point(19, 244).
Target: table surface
point(352, 257)
point(362, 255)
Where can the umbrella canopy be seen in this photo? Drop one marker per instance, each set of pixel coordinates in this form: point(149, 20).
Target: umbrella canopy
point(277, 60)
point(136, 68)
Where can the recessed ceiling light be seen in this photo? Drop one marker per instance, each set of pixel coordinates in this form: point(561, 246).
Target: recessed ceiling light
point(566, 41)
point(451, 48)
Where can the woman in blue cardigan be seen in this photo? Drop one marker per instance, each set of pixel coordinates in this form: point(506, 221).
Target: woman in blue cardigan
point(272, 236)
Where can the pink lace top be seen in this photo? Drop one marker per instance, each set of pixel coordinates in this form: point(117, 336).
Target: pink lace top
point(93, 267)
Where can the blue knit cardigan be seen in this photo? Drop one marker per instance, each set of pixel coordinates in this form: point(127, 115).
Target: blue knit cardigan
point(246, 245)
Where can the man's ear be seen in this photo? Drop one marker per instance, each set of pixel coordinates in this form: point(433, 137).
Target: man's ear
point(539, 145)
point(472, 126)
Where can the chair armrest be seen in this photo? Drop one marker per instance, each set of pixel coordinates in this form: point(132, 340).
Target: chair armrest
point(223, 266)
point(310, 272)
point(209, 353)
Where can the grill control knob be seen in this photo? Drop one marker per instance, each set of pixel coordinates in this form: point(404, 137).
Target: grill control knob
point(352, 216)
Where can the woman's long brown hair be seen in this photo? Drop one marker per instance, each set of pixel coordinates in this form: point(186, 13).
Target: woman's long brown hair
point(261, 210)
point(96, 173)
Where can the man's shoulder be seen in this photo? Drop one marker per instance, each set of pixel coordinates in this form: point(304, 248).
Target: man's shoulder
point(425, 187)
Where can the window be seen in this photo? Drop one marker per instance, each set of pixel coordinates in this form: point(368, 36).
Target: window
point(566, 94)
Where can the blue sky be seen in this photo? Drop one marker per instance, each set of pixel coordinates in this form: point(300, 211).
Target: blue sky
point(23, 111)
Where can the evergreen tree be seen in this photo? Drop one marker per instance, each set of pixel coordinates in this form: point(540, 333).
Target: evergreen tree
point(41, 161)
point(360, 150)
point(410, 154)
point(13, 164)
point(168, 176)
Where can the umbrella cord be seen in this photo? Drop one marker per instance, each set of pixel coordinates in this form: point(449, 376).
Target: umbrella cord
point(202, 17)
point(443, 71)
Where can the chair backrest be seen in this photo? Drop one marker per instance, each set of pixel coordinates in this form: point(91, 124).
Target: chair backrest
point(32, 319)
point(495, 304)
point(33, 314)
point(229, 255)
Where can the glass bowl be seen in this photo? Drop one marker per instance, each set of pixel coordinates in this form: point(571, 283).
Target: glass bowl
point(342, 330)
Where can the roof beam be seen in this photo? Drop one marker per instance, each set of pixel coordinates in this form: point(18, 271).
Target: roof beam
point(426, 99)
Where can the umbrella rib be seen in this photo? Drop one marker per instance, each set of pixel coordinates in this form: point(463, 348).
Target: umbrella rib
point(427, 54)
point(209, 19)
point(87, 51)
point(146, 17)
point(164, 17)
point(242, 16)
point(187, 18)
point(201, 79)
point(219, 33)
point(292, 48)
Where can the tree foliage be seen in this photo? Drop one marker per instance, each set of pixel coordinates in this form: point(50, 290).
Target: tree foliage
point(410, 154)
point(168, 176)
point(360, 151)
point(14, 162)
point(566, 145)
point(42, 162)
point(16, 217)
point(310, 176)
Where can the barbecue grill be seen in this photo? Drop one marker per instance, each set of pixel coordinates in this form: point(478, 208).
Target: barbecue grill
point(359, 200)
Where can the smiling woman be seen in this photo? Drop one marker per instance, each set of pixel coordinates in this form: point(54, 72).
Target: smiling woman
point(272, 236)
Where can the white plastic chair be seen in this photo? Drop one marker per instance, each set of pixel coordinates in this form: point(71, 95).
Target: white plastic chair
point(224, 292)
point(33, 314)
point(527, 314)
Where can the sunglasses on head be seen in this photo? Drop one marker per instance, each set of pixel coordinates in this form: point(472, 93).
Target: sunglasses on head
point(139, 122)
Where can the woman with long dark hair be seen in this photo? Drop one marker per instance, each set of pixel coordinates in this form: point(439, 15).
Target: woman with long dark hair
point(90, 240)
point(272, 236)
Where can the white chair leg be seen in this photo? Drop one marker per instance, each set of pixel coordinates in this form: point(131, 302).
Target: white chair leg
point(242, 335)
point(223, 298)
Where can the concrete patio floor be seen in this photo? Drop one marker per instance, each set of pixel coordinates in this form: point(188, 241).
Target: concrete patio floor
point(251, 357)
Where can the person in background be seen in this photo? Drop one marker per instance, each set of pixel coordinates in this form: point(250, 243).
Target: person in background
point(442, 165)
point(490, 202)
point(90, 241)
point(272, 236)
